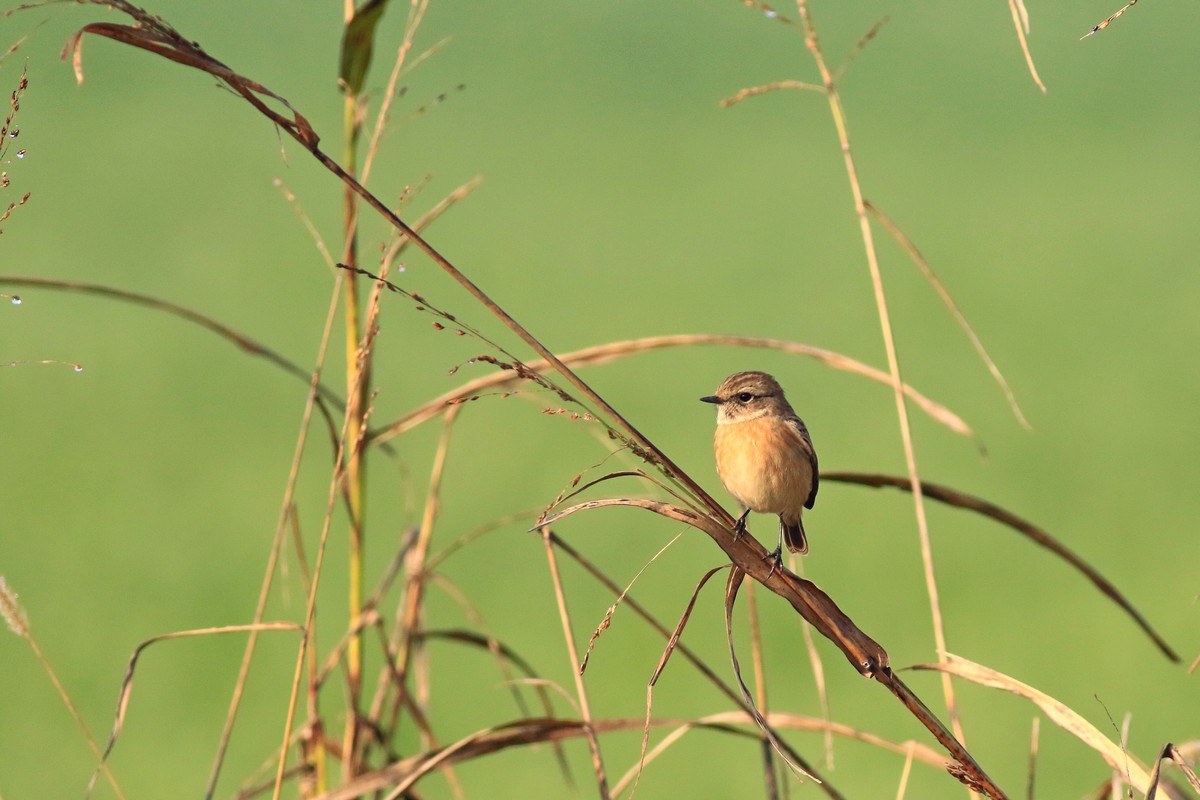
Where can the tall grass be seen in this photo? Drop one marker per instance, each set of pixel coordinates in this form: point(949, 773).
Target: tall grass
point(359, 719)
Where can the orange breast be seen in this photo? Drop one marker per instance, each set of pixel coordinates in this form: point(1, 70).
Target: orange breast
point(764, 465)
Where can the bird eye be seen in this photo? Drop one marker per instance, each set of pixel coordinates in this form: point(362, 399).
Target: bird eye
point(745, 397)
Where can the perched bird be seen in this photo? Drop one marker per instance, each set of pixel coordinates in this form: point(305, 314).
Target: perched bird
point(765, 456)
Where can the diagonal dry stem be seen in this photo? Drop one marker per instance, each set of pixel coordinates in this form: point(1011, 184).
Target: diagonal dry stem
point(14, 615)
point(573, 653)
point(1021, 23)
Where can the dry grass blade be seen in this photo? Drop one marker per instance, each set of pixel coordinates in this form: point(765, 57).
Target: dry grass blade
point(1171, 752)
point(760, 687)
point(127, 683)
point(1021, 23)
point(1059, 714)
point(1110, 19)
point(155, 36)
point(939, 287)
point(612, 609)
point(754, 91)
point(859, 46)
point(15, 617)
point(672, 643)
point(945, 494)
point(818, 668)
point(600, 354)
point(673, 640)
point(580, 692)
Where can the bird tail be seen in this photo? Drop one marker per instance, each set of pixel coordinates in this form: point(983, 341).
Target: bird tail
point(794, 538)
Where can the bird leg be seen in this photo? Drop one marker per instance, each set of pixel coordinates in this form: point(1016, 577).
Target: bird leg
point(776, 555)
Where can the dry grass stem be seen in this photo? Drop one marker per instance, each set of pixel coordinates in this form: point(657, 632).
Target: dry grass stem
point(1021, 23)
point(1033, 751)
point(760, 688)
point(672, 644)
point(936, 282)
point(306, 221)
point(608, 615)
point(18, 622)
point(580, 692)
point(303, 654)
point(1173, 753)
point(1110, 19)
point(902, 789)
point(755, 91)
point(416, 14)
point(730, 722)
point(818, 668)
point(402, 775)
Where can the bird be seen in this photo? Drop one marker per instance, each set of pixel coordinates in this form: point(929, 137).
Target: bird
point(765, 456)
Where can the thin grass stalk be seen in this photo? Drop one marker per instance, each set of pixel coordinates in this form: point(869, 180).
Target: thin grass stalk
point(273, 559)
point(902, 789)
point(573, 654)
point(410, 621)
point(1033, 753)
point(818, 668)
point(1021, 23)
point(358, 383)
point(885, 325)
point(760, 688)
point(415, 14)
point(14, 615)
point(335, 487)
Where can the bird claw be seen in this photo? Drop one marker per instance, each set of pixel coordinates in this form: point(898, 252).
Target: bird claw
point(776, 557)
point(739, 525)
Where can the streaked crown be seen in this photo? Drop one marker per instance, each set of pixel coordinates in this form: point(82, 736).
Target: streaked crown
point(746, 395)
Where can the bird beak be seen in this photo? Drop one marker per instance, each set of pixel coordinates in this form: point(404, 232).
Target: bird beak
point(713, 399)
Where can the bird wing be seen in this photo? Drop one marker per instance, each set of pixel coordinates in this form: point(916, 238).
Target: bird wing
point(800, 428)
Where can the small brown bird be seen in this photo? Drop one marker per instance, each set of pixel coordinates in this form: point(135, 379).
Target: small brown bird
point(765, 456)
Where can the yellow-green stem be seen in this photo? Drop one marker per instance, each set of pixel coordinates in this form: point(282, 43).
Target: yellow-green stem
point(357, 388)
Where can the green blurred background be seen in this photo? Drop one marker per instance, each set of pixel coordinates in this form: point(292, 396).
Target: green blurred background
point(620, 201)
